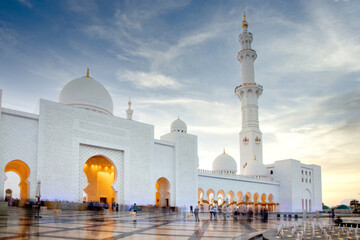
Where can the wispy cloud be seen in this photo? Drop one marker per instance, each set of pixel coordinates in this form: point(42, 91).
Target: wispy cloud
point(148, 79)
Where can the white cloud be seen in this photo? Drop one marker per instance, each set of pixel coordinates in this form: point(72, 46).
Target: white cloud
point(148, 79)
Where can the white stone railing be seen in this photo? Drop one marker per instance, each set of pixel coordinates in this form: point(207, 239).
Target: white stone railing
point(233, 175)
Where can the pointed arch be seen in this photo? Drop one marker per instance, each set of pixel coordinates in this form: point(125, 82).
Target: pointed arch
point(23, 170)
point(100, 174)
point(163, 192)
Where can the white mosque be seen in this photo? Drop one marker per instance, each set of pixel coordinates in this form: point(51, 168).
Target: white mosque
point(81, 152)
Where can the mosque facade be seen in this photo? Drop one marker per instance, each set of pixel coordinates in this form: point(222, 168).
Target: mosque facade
point(81, 152)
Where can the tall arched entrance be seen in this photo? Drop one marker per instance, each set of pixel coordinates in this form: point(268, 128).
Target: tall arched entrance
point(23, 171)
point(100, 173)
point(162, 192)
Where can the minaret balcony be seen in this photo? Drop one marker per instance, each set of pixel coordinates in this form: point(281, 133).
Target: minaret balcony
point(243, 89)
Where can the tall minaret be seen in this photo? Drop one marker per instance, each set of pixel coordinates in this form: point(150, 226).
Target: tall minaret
point(251, 161)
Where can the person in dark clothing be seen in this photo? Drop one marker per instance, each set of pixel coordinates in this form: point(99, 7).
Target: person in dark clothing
point(338, 221)
point(196, 212)
point(134, 208)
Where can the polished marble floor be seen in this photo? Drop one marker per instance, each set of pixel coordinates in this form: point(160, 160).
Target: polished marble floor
point(19, 223)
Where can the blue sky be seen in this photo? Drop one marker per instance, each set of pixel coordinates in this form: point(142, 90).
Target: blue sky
point(178, 58)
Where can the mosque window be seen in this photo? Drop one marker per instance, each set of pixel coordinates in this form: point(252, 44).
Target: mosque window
point(309, 173)
point(302, 171)
point(302, 180)
point(271, 172)
point(305, 172)
point(306, 180)
point(309, 180)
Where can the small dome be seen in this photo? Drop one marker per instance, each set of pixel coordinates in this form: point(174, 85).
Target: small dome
point(255, 168)
point(86, 92)
point(324, 207)
point(342, 207)
point(224, 163)
point(178, 126)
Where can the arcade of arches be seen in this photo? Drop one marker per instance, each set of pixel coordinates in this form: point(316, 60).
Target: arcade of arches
point(162, 192)
point(100, 173)
point(245, 201)
point(23, 170)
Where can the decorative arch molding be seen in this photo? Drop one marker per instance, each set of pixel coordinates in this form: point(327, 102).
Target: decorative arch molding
point(114, 156)
point(256, 197)
point(23, 170)
point(200, 191)
point(248, 197)
point(263, 198)
point(210, 191)
point(163, 192)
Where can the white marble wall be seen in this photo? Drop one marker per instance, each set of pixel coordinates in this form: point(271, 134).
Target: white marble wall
point(18, 141)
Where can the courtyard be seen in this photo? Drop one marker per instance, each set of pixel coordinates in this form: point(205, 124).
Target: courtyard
point(20, 223)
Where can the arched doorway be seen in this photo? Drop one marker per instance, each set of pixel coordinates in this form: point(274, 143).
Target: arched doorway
point(271, 203)
point(306, 200)
point(200, 196)
point(220, 197)
point(200, 199)
point(263, 201)
point(256, 203)
point(210, 196)
point(240, 198)
point(248, 201)
point(23, 171)
point(162, 193)
point(230, 199)
point(100, 173)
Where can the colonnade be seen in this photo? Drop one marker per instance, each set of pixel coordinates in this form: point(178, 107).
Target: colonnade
point(244, 202)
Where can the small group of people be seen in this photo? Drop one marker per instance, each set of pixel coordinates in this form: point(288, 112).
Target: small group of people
point(115, 206)
point(97, 206)
point(226, 212)
point(133, 208)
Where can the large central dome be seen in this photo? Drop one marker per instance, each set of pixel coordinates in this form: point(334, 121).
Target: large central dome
point(86, 92)
point(224, 163)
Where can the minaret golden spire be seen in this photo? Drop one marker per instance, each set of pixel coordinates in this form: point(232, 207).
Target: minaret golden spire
point(224, 151)
point(129, 102)
point(244, 23)
point(87, 73)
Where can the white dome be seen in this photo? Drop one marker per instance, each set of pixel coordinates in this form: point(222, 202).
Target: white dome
point(86, 92)
point(255, 168)
point(178, 126)
point(224, 163)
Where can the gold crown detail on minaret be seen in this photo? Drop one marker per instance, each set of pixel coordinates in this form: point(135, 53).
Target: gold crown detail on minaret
point(244, 23)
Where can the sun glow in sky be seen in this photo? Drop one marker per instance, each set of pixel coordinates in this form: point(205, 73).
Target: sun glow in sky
point(178, 58)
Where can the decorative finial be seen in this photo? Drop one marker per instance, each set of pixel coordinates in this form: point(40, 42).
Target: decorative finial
point(255, 158)
point(224, 151)
point(244, 23)
point(178, 118)
point(129, 111)
point(87, 73)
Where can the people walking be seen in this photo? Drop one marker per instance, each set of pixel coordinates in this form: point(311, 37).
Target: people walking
point(196, 213)
point(224, 211)
point(214, 212)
